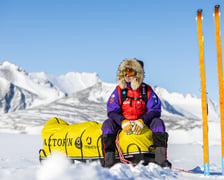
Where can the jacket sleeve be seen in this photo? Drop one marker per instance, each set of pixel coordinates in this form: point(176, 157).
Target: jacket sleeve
point(114, 108)
point(153, 108)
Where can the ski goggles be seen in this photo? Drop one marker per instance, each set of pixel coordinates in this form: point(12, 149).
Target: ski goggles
point(129, 72)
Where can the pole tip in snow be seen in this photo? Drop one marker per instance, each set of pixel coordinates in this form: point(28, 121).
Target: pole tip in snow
point(206, 169)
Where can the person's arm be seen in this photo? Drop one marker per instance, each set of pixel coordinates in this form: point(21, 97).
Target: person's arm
point(153, 108)
point(114, 108)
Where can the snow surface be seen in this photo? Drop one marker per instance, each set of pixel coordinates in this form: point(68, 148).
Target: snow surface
point(19, 160)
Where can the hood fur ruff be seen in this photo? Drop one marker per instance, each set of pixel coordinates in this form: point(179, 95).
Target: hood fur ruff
point(137, 66)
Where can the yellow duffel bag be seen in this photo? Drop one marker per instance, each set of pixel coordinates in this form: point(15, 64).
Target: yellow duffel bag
point(83, 141)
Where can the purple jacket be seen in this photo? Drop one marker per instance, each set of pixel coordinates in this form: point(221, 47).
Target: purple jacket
point(114, 108)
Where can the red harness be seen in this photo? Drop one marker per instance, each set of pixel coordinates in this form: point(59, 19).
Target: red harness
point(133, 107)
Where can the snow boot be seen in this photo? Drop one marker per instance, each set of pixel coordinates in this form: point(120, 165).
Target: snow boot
point(160, 143)
point(108, 148)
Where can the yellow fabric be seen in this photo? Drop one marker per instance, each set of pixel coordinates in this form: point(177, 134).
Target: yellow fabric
point(84, 140)
point(130, 143)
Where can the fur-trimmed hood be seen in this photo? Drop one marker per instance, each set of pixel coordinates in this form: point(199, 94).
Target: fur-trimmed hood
point(135, 64)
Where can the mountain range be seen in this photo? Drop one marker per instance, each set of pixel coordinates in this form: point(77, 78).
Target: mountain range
point(28, 100)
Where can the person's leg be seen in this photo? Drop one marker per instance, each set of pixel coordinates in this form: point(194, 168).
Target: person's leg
point(160, 139)
point(109, 129)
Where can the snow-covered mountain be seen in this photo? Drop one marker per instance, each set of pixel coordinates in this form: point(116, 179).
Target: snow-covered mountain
point(21, 90)
point(70, 82)
point(28, 100)
point(186, 105)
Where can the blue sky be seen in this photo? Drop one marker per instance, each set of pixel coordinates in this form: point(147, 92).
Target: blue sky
point(60, 36)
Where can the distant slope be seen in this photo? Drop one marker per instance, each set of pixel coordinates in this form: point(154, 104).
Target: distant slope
point(70, 82)
point(28, 100)
point(86, 105)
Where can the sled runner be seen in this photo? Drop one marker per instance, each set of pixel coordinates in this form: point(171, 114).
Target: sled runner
point(82, 142)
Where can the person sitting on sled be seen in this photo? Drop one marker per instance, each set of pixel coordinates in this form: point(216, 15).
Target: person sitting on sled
point(133, 113)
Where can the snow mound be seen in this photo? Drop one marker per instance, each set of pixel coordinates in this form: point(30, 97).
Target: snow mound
point(57, 167)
